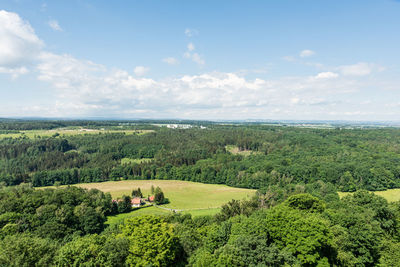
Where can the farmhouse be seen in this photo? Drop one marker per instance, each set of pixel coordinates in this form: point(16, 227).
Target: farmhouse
point(137, 202)
point(151, 199)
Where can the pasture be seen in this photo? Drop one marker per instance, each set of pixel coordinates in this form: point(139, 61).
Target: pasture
point(186, 197)
point(391, 195)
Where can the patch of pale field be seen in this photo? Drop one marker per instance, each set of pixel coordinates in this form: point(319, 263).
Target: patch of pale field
point(183, 195)
point(391, 195)
point(68, 132)
point(235, 150)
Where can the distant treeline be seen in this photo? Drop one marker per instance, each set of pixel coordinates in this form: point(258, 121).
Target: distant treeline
point(48, 124)
point(350, 159)
point(19, 125)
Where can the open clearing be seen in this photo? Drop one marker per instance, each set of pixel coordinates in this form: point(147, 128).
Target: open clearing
point(181, 194)
point(152, 210)
point(68, 132)
point(235, 150)
point(186, 197)
point(391, 195)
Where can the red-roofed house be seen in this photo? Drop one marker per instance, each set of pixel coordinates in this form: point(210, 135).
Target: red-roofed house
point(136, 202)
point(151, 198)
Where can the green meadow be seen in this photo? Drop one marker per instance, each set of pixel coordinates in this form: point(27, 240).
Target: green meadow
point(391, 195)
point(185, 197)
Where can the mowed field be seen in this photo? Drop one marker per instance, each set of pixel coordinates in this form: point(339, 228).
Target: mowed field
point(185, 197)
point(391, 195)
point(68, 132)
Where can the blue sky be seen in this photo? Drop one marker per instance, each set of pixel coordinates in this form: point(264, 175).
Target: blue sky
point(333, 60)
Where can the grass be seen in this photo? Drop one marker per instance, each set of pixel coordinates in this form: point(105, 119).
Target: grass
point(181, 194)
point(391, 195)
point(203, 212)
point(131, 161)
point(151, 210)
point(67, 132)
point(186, 197)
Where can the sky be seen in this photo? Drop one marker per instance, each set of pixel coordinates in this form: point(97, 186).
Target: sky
point(212, 60)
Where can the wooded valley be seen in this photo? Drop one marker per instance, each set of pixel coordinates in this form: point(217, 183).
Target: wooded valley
point(296, 218)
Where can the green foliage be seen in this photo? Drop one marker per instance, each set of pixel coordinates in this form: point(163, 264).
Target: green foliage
point(307, 236)
point(27, 250)
point(360, 223)
point(235, 207)
point(159, 197)
point(94, 250)
point(152, 241)
point(52, 213)
point(124, 204)
point(137, 193)
point(279, 236)
point(390, 255)
point(306, 202)
point(297, 218)
point(254, 251)
point(350, 159)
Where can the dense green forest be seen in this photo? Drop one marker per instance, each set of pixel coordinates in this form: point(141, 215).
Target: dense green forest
point(295, 219)
point(294, 225)
point(350, 159)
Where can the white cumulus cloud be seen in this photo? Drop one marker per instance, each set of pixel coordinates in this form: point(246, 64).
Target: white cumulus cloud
point(359, 69)
point(190, 47)
point(141, 70)
point(307, 53)
point(170, 61)
point(19, 45)
point(191, 32)
point(289, 58)
point(195, 57)
point(198, 59)
point(94, 89)
point(326, 75)
point(84, 88)
point(55, 25)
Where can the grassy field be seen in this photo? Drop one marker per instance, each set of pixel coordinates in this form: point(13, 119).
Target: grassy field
point(152, 210)
point(235, 150)
point(67, 132)
point(391, 195)
point(186, 197)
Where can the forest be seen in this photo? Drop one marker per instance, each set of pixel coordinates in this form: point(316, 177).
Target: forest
point(351, 159)
point(294, 225)
point(295, 219)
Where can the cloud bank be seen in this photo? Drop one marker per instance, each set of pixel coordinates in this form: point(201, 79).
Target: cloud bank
point(85, 88)
point(19, 45)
